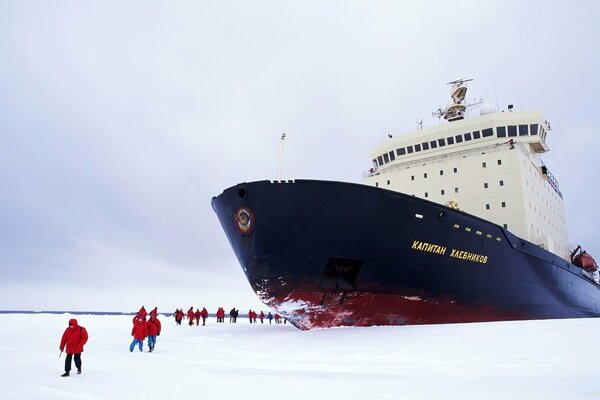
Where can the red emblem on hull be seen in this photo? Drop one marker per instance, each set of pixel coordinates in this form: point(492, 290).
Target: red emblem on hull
point(244, 220)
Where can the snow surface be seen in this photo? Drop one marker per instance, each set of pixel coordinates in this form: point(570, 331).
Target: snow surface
point(555, 359)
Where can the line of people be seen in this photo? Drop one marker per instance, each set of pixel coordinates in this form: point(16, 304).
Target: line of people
point(252, 317)
point(76, 336)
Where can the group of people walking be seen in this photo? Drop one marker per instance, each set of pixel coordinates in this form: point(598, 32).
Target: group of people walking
point(143, 329)
point(76, 336)
point(252, 317)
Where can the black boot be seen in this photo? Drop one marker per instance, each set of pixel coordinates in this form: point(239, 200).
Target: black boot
point(79, 370)
point(66, 373)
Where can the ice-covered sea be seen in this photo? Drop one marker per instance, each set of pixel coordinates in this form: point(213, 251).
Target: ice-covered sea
point(556, 359)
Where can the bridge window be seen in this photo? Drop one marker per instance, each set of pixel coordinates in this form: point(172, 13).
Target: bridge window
point(483, 164)
point(467, 136)
point(533, 128)
point(503, 204)
point(417, 147)
point(487, 206)
point(425, 146)
point(455, 170)
point(386, 158)
point(425, 175)
point(433, 144)
point(392, 156)
point(450, 140)
point(487, 132)
point(442, 192)
point(476, 135)
point(380, 159)
point(441, 142)
point(523, 130)
point(401, 151)
point(512, 130)
point(409, 149)
point(458, 138)
point(501, 131)
point(485, 185)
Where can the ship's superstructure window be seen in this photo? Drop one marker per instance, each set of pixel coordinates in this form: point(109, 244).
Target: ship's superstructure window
point(392, 156)
point(523, 130)
point(485, 185)
point(455, 190)
point(386, 158)
point(417, 147)
point(401, 151)
point(375, 163)
point(476, 135)
point(499, 162)
point(412, 177)
point(433, 144)
point(380, 159)
point(425, 146)
point(441, 172)
point(388, 182)
point(467, 136)
point(442, 142)
point(425, 175)
point(450, 140)
point(458, 138)
point(455, 170)
point(487, 206)
point(409, 149)
point(501, 183)
point(483, 164)
point(505, 227)
point(503, 204)
point(376, 184)
point(442, 192)
point(534, 129)
point(426, 194)
point(501, 131)
point(512, 130)
point(487, 132)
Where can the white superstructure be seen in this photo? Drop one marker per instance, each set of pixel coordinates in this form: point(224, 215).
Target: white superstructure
point(488, 166)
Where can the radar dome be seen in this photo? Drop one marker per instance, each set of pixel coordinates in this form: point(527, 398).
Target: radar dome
point(486, 108)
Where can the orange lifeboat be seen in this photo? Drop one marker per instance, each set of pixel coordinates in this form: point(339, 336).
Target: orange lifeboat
point(583, 260)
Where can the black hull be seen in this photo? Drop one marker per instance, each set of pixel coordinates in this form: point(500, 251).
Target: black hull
point(330, 253)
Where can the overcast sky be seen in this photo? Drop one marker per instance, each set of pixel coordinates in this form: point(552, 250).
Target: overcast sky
point(120, 120)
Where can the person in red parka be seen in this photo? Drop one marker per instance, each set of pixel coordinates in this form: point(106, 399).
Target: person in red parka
point(139, 333)
point(153, 328)
point(262, 317)
point(190, 315)
point(204, 314)
point(74, 338)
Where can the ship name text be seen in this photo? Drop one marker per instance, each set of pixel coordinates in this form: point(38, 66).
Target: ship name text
point(429, 247)
point(454, 253)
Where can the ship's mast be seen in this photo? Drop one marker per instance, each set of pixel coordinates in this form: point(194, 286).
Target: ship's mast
point(456, 111)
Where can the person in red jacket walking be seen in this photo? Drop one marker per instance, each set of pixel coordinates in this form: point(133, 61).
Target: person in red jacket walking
point(204, 314)
point(74, 338)
point(139, 333)
point(153, 328)
point(262, 317)
point(190, 315)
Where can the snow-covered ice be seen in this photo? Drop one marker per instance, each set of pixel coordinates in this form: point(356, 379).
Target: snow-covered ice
point(555, 359)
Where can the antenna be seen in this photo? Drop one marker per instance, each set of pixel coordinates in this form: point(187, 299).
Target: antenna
point(518, 95)
point(419, 124)
point(280, 156)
